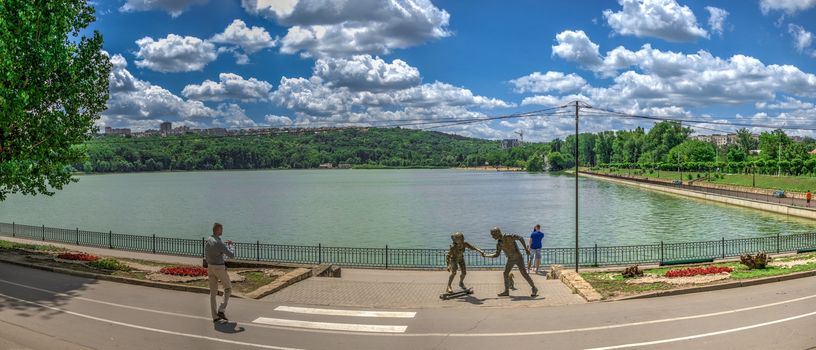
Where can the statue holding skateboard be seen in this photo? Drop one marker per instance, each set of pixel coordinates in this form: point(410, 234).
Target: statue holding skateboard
point(456, 261)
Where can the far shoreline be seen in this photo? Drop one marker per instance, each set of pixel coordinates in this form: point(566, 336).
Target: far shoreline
point(477, 168)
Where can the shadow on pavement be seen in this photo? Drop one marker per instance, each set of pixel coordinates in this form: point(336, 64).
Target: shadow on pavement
point(48, 282)
point(471, 300)
point(228, 327)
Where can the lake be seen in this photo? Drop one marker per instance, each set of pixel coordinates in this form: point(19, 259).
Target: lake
point(372, 208)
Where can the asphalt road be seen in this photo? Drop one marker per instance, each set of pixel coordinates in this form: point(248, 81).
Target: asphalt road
point(43, 310)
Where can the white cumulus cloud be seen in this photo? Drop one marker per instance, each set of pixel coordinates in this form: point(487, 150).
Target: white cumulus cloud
point(233, 116)
point(786, 103)
point(664, 19)
point(342, 28)
point(133, 99)
point(550, 81)
point(656, 78)
point(249, 39)
point(363, 72)
point(277, 120)
point(576, 46)
point(802, 39)
point(175, 53)
point(716, 19)
point(174, 7)
point(788, 6)
point(365, 90)
point(229, 87)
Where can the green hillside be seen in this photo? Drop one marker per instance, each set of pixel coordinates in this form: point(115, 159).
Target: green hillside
point(357, 147)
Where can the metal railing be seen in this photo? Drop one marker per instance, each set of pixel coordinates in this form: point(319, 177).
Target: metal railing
point(768, 198)
point(401, 258)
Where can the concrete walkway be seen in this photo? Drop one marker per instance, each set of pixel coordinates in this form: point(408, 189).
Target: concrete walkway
point(45, 310)
point(421, 289)
point(382, 288)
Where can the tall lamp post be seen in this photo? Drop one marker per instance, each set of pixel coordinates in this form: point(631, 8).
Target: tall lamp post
point(576, 186)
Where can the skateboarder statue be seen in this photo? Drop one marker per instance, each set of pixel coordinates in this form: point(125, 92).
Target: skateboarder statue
point(456, 259)
point(506, 243)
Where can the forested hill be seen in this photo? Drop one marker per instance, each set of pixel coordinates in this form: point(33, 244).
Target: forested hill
point(357, 147)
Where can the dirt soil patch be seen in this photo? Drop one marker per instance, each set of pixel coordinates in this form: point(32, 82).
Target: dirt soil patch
point(791, 263)
point(699, 279)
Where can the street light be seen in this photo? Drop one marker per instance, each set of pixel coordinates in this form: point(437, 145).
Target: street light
point(576, 186)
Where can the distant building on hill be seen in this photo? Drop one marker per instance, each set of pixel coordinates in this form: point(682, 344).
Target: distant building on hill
point(217, 131)
point(181, 130)
point(114, 131)
point(509, 143)
point(166, 127)
point(721, 140)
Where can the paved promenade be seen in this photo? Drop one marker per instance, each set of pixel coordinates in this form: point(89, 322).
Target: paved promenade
point(421, 289)
point(383, 288)
point(44, 310)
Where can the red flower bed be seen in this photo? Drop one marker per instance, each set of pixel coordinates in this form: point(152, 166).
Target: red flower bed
point(694, 271)
point(78, 256)
point(192, 271)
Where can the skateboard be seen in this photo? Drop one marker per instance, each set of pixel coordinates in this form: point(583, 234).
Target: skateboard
point(456, 294)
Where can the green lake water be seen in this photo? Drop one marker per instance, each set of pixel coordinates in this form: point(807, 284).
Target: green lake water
point(372, 208)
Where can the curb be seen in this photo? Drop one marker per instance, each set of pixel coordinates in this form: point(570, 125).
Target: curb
point(721, 286)
point(126, 280)
point(578, 285)
point(286, 280)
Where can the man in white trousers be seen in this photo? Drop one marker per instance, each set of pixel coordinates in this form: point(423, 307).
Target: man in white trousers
point(217, 270)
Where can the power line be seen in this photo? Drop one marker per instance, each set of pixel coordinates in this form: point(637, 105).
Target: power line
point(714, 122)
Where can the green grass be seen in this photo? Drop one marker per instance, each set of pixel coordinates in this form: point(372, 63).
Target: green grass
point(668, 175)
point(612, 284)
point(253, 281)
point(109, 264)
point(787, 183)
point(12, 246)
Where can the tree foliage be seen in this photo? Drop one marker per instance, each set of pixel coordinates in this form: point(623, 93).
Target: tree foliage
point(693, 151)
point(53, 86)
point(361, 148)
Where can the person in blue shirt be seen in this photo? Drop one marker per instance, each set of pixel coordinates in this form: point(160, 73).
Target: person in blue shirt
point(535, 248)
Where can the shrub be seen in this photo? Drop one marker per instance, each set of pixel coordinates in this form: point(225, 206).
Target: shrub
point(694, 271)
point(12, 245)
point(758, 261)
point(689, 177)
point(632, 271)
point(78, 256)
point(109, 264)
point(192, 271)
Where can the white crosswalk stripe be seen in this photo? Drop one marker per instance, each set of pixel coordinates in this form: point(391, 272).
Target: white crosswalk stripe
point(351, 313)
point(337, 326)
point(351, 327)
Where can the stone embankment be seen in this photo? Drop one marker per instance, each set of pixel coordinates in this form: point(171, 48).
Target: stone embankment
point(741, 202)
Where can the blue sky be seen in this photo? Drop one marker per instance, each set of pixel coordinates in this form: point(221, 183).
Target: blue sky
point(254, 63)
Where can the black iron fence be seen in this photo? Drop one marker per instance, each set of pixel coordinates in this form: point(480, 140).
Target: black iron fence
point(397, 258)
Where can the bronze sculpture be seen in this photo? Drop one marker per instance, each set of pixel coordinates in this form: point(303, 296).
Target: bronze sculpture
point(506, 243)
point(456, 259)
